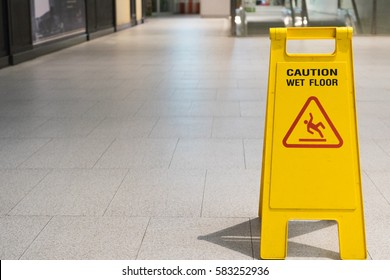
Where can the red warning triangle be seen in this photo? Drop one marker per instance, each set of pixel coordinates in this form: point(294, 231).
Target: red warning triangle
point(312, 128)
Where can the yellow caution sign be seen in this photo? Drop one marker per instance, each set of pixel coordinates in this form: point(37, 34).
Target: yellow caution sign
point(311, 168)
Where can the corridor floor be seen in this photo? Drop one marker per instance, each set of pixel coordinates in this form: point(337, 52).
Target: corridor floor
point(147, 144)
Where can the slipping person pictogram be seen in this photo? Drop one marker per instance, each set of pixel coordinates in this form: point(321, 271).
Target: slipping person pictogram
point(312, 121)
point(312, 126)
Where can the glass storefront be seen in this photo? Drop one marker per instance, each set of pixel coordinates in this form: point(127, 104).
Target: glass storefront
point(161, 7)
point(3, 32)
point(53, 19)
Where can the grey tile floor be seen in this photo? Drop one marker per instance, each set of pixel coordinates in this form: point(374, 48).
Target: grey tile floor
point(147, 144)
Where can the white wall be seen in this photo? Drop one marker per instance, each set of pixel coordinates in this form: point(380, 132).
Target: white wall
point(215, 8)
point(138, 6)
point(122, 12)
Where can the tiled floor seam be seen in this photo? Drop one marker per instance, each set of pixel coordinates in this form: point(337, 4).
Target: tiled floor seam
point(140, 107)
point(369, 255)
point(28, 247)
point(108, 147)
point(113, 197)
point(380, 147)
point(203, 195)
point(243, 150)
point(251, 234)
point(154, 126)
point(37, 184)
point(173, 153)
point(44, 145)
point(212, 127)
point(45, 122)
point(96, 126)
point(383, 196)
point(143, 237)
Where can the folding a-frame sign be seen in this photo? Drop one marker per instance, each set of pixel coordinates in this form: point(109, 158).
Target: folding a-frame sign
point(311, 168)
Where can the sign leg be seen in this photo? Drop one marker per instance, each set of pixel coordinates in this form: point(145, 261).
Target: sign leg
point(352, 237)
point(273, 240)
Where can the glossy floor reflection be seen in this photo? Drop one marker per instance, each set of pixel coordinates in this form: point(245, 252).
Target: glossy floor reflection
point(147, 144)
